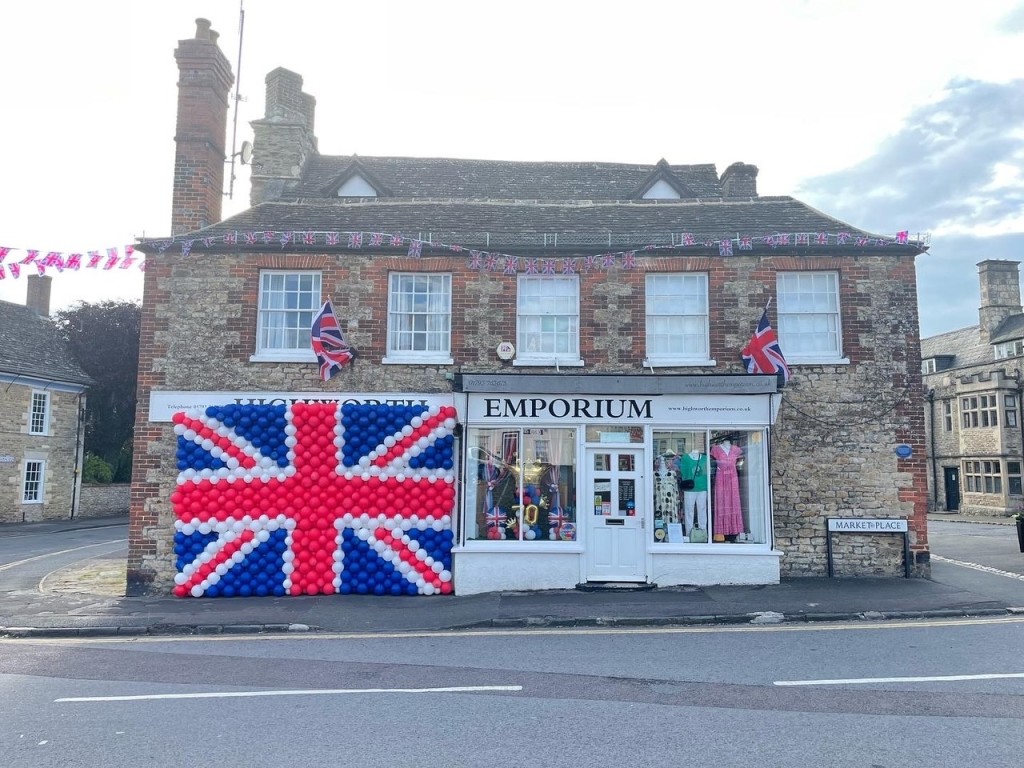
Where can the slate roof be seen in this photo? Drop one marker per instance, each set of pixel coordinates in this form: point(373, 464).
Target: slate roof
point(490, 204)
point(411, 177)
point(964, 345)
point(1011, 329)
point(31, 346)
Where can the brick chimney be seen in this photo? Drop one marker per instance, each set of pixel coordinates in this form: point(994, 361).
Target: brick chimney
point(204, 82)
point(739, 180)
point(38, 296)
point(1000, 294)
point(283, 140)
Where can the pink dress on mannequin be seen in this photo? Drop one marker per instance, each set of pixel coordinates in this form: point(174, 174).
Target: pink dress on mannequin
point(728, 517)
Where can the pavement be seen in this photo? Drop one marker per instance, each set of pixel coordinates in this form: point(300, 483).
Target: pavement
point(87, 600)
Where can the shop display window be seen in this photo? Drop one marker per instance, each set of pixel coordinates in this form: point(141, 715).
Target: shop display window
point(521, 485)
point(710, 487)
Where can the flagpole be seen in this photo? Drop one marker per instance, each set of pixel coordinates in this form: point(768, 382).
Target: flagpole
point(768, 304)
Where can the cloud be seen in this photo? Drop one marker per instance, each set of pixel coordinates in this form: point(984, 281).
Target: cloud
point(1013, 21)
point(956, 170)
point(951, 166)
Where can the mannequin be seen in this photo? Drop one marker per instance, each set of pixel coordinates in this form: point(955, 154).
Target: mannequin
point(728, 515)
point(694, 465)
point(666, 488)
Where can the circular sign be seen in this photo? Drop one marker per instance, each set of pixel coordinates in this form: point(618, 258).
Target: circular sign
point(506, 350)
point(904, 451)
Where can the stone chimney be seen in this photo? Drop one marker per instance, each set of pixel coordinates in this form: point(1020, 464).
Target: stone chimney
point(739, 180)
point(204, 82)
point(284, 139)
point(1000, 295)
point(38, 297)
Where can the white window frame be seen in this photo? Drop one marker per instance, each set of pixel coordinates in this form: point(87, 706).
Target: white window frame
point(675, 303)
point(36, 467)
point(39, 413)
point(1007, 349)
point(425, 311)
point(809, 319)
point(532, 292)
point(928, 365)
point(298, 319)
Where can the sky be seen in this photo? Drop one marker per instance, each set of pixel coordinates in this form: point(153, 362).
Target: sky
point(888, 115)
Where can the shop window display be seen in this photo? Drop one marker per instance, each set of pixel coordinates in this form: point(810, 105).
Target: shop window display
point(710, 486)
point(525, 485)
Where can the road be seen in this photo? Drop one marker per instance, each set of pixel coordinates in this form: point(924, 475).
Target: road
point(849, 695)
point(934, 693)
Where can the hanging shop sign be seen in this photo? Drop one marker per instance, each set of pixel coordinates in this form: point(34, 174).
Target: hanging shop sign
point(164, 404)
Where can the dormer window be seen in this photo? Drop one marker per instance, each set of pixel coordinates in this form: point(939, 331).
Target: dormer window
point(661, 190)
point(356, 186)
point(1014, 348)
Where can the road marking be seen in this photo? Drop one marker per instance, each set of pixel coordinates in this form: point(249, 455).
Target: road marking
point(975, 566)
point(308, 692)
point(932, 679)
point(454, 633)
point(16, 563)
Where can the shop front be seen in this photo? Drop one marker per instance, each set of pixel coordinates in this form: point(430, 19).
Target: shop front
point(571, 480)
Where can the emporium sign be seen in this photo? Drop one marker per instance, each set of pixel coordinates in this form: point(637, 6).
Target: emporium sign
point(677, 409)
point(163, 405)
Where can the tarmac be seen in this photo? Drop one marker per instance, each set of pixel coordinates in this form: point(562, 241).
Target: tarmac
point(87, 600)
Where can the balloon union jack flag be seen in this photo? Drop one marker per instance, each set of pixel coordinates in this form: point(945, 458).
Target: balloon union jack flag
point(314, 498)
point(762, 353)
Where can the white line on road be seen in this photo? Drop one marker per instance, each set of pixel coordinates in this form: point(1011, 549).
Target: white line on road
point(309, 692)
point(16, 563)
point(975, 566)
point(933, 679)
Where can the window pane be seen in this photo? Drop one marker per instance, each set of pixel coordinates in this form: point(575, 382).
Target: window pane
point(524, 485)
point(548, 317)
point(676, 316)
point(419, 319)
point(288, 302)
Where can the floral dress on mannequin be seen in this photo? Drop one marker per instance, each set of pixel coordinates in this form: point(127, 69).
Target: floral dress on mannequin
point(728, 516)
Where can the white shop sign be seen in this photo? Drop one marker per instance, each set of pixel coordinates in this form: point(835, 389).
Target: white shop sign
point(866, 525)
point(163, 405)
point(672, 409)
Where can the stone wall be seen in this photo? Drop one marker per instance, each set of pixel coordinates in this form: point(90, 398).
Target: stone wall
point(105, 500)
point(949, 448)
point(832, 448)
point(58, 448)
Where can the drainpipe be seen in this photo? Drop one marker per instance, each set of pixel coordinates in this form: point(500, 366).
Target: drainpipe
point(1020, 420)
point(931, 432)
point(76, 474)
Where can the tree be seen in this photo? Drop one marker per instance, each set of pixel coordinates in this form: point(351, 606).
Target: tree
point(104, 339)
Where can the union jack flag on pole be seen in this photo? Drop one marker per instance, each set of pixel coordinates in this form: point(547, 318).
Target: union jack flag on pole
point(762, 353)
point(329, 345)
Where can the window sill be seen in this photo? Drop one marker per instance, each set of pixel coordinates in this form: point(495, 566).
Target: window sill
point(282, 356)
point(425, 360)
point(678, 362)
point(716, 547)
point(548, 362)
point(553, 547)
point(817, 360)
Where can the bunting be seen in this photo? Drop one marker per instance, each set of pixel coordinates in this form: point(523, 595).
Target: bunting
point(125, 257)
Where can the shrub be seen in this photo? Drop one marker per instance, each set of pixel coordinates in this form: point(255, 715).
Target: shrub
point(96, 470)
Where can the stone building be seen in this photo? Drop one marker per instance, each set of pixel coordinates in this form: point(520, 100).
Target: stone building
point(974, 386)
point(42, 402)
point(583, 321)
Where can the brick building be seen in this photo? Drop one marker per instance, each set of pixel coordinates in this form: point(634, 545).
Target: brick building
point(42, 402)
point(585, 322)
point(974, 386)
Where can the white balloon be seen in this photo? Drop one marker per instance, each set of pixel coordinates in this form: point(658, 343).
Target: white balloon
point(180, 578)
point(197, 591)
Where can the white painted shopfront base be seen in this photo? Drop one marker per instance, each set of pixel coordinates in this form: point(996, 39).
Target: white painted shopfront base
point(477, 572)
point(706, 569)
